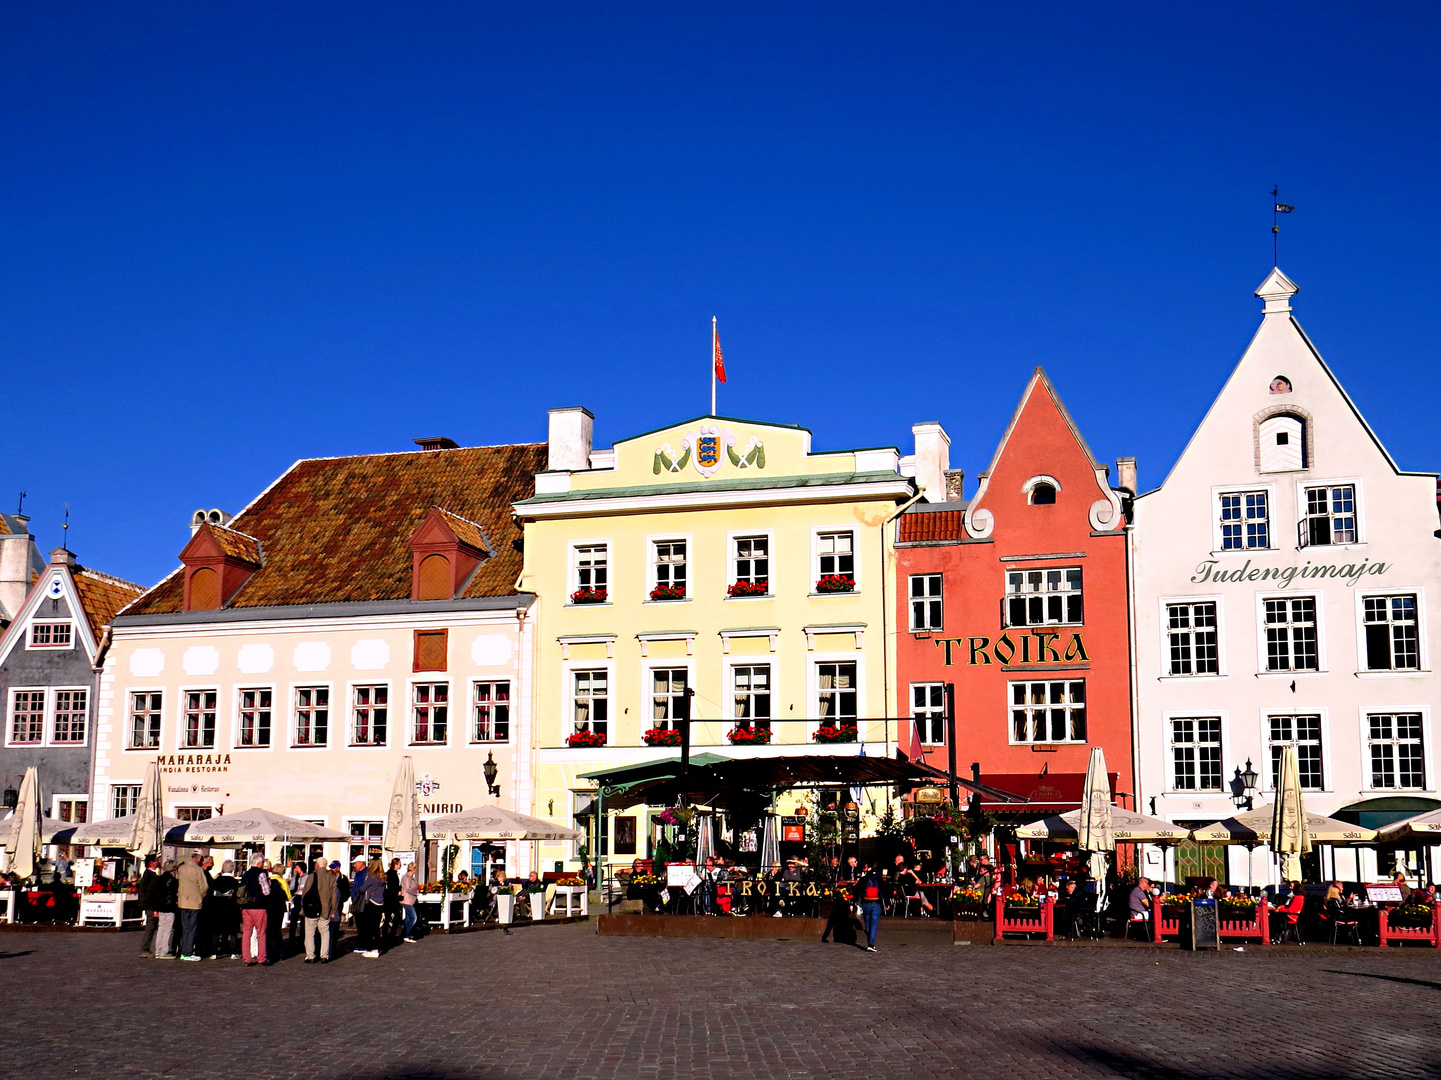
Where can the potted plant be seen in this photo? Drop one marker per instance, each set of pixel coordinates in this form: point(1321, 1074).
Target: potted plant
point(749, 736)
point(587, 595)
point(585, 738)
point(748, 588)
point(668, 592)
point(661, 737)
point(830, 733)
point(836, 583)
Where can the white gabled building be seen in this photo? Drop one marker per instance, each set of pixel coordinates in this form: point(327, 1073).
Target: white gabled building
point(1287, 580)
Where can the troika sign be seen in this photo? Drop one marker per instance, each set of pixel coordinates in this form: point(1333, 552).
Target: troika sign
point(1015, 647)
point(1350, 573)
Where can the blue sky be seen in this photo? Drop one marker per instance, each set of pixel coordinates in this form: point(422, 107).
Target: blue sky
point(234, 236)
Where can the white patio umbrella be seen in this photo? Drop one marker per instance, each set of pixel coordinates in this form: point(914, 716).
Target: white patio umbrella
point(1254, 828)
point(495, 823)
point(250, 827)
point(147, 830)
point(1290, 839)
point(23, 843)
point(112, 832)
point(1094, 829)
point(770, 845)
point(402, 826)
point(1426, 826)
point(1126, 825)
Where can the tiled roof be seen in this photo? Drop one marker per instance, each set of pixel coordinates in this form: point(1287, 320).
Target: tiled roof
point(467, 532)
point(101, 596)
point(236, 544)
point(935, 525)
point(338, 529)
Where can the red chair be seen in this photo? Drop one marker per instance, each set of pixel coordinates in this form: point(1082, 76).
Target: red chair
point(1287, 919)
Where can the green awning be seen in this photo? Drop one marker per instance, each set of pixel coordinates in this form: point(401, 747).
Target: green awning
point(1374, 813)
point(623, 778)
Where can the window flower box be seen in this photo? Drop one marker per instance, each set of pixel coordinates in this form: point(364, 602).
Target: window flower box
point(661, 737)
point(585, 738)
point(586, 595)
point(834, 583)
point(668, 592)
point(749, 588)
point(829, 733)
point(749, 736)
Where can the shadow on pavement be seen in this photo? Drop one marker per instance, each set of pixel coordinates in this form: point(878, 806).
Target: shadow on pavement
point(1387, 978)
point(1135, 1067)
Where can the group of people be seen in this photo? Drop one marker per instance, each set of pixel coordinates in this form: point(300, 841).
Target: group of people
point(194, 913)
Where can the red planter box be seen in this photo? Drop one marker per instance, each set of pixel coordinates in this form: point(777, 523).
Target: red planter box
point(1036, 920)
point(1426, 935)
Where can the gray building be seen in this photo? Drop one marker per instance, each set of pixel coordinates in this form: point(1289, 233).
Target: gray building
point(48, 660)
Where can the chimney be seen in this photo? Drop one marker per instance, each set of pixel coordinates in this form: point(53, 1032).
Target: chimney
point(933, 458)
point(15, 548)
point(61, 557)
point(1126, 474)
point(437, 442)
point(955, 485)
point(208, 517)
point(570, 435)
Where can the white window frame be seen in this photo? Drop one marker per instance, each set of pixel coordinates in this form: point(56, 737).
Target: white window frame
point(813, 690)
point(1046, 677)
point(926, 602)
point(647, 677)
point(1357, 484)
point(292, 706)
point(652, 563)
point(134, 786)
point(180, 702)
point(574, 569)
point(130, 692)
point(79, 796)
point(30, 646)
point(366, 821)
point(568, 671)
point(1422, 635)
point(1172, 784)
point(1242, 489)
point(1044, 594)
point(52, 709)
point(856, 560)
point(728, 699)
point(911, 712)
point(732, 560)
point(1322, 666)
point(1328, 775)
point(238, 708)
point(410, 706)
point(1164, 621)
point(1428, 781)
point(350, 688)
point(473, 706)
point(45, 709)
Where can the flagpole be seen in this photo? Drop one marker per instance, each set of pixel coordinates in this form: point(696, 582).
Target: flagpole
point(712, 364)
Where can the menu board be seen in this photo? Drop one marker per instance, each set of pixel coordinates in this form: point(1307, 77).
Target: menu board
point(682, 876)
point(1384, 894)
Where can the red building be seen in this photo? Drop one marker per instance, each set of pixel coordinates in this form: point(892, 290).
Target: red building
point(1017, 599)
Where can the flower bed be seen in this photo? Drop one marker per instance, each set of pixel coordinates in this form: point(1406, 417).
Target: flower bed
point(749, 736)
point(836, 583)
point(668, 592)
point(661, 737)
point(434, 888)
point(829, 733)
point(587, 595)
point(585, 738)
point(748, 588)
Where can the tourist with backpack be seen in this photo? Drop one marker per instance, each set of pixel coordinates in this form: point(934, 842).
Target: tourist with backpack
point(870, 891)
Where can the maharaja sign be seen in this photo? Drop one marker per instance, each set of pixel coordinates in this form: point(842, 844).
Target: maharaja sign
point(1033, 647)
point(194, 763)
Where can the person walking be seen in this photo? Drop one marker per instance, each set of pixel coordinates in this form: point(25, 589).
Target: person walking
point(224, 913)
point(342, 894)
point(317, 907)
point(409, 894)
point(168, 889)
point(191, 891)
point(145, 893)
point(254, 897)
point(367, 904)
point(870, 890)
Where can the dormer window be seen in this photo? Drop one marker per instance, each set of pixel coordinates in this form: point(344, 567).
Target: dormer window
point(1283, 443)
point(218, 561)
point(1043, 495)
point(445, 550)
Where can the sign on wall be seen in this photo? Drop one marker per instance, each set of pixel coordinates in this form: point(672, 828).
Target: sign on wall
point(1014, 647)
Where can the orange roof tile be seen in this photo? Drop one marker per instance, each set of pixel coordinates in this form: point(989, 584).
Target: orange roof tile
point(102, 596)
point(467, 532)
point(236, 544)
point(338, 529)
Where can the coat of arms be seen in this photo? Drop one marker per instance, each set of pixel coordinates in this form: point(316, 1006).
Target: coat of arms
point(707, 450)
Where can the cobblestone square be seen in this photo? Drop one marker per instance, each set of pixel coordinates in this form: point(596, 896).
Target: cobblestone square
point(561, 1002)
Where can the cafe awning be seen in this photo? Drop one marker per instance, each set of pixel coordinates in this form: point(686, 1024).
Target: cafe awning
point(1037, 794)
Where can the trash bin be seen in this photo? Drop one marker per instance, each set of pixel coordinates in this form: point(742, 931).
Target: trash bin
point(1203, 932)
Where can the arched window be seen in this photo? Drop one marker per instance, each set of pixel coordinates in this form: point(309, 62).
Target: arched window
point(435, 578)
point(204, 590)
point(1283, 443)
point(1043, 494)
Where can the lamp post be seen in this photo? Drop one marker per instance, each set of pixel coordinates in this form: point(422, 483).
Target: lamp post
point(490, 769)
point(1243, 788)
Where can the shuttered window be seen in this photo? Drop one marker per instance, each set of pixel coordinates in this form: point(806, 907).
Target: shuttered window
point(430, 650)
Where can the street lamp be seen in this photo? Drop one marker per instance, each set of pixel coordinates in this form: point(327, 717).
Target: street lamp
point(1243, 787)
point(491, 769)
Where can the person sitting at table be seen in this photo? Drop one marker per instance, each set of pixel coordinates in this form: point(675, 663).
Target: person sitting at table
point(908, 882)
point(1399, 880)
point(710, 876)
point(1069, 905)
point(1140, 903)
point(852, 870)
point(1285, 919)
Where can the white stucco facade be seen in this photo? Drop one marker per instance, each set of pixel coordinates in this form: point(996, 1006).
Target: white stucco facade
point(1287, 581)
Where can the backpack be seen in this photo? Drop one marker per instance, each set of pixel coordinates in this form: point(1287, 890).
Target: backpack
point(242, 895)
point(310, 900)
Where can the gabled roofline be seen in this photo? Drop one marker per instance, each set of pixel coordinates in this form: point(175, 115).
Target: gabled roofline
point(1039, 376)
point(78, 616)
point(701, 419)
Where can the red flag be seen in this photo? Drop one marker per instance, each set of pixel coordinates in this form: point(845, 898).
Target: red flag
point(915, 751)
point(720, 367)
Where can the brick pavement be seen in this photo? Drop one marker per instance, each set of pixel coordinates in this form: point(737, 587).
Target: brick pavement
point(561, 1002)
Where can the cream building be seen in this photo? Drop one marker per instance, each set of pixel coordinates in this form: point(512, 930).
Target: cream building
point(360, 610)
point(721, 562)
point(1287, 592)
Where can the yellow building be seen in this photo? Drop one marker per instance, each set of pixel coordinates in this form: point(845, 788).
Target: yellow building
point(717, 556)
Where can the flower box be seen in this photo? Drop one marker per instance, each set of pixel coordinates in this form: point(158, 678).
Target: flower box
point(1035, 917)
point(668, 592)
point(661, 737)
point(829, 733)
point(1419, 923)
point(836, 583)
point(585, 738)
point(748, 588)
point(587, 595)
point(749, 736)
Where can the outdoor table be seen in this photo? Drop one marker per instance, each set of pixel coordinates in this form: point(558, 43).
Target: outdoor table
point(446, 901)
point(109, 908)
point(576, 900)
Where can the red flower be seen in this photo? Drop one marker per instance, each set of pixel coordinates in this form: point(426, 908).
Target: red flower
point(585, 738)
point(748, 588)
point(586, 595)
point(668, 592)
point(836, 583)
point(661, 737)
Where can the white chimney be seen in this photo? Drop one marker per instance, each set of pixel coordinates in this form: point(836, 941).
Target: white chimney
point(1126, 474)
point(571, 430)
point(15, 567)
point(933, 458)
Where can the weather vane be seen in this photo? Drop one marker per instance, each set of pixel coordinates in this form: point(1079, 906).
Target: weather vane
point(65, 529)
point(21, 508)
point(1277, 209)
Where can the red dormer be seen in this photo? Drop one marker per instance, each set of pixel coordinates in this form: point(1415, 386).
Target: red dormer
point(445, 550)
point(218, 561)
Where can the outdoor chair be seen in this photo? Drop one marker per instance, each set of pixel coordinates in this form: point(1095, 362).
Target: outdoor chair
point(907, 899)
point(1342, 923)
point(1286, 922)
point(1137, 919)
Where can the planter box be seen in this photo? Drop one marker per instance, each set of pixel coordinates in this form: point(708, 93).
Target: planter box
point(1421, 935)
point(112, 909)
point(1227, 926)
point(1029, 920)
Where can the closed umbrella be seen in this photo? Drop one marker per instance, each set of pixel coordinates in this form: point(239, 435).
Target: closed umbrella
point(250, 827)
point(1290, 839)
point(770, 845)
point(24, 841)
point(495, 823)
point(402, 826)
point(146, 827)
point(1095, 831)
